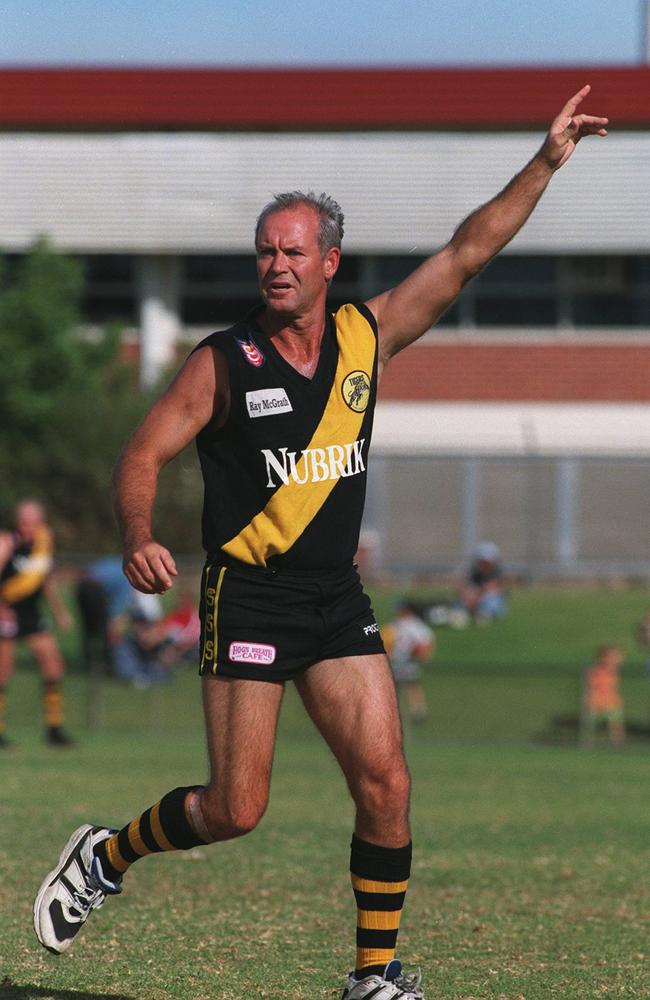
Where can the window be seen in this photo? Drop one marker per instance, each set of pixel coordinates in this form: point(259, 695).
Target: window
point(516, 291)
point(231, 268)
point(513, 310)
point(109, 294)
point(519, 271)
point(607, 291)
point(217, 290)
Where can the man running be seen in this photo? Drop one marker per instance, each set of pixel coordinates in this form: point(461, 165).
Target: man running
point(281, 408)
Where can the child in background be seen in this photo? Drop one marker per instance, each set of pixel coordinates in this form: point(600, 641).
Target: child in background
point(602, 701)
point(409, 643)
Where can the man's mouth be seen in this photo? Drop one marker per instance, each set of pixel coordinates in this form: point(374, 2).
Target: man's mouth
point(278, 286)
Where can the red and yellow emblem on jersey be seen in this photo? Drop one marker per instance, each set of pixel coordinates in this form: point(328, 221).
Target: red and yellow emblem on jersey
point(251, 352)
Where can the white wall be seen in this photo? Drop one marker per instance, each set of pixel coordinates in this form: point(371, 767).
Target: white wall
point(512, 429)
point(159, 193)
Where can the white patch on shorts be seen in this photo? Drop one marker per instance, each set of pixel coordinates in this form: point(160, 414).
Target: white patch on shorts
point(267, 402)
point(251, 652)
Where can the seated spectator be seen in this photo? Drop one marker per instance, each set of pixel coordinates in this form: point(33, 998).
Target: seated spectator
point(104, 598)
point(602, 701)
point(180, 631)
point(135, 655)
point(155, 643)
point(483, 593)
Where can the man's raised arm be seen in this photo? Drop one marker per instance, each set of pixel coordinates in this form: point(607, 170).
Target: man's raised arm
point(198, 394)
point(407, 311)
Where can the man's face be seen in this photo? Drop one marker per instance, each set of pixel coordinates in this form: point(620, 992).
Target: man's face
point(28, 518)
point(291, 272)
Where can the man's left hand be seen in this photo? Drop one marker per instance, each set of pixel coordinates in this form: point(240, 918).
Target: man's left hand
point(568, 129)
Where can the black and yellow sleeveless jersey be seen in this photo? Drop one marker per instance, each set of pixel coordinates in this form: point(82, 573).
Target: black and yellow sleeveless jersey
point(25, 572)
point(285, 477)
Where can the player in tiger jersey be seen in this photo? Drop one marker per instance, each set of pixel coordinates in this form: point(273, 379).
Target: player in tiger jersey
point(26, 560)
point(281, 408)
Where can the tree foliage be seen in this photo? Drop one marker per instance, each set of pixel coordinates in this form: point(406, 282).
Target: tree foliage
point(68, 402)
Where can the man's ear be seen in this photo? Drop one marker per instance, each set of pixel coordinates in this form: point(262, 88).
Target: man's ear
point(331, 262)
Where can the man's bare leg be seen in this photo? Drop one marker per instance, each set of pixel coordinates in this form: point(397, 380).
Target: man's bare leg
point(354, 705)
point(45, 649)
point(95, 858)
point(236, 796)
point(47, 654)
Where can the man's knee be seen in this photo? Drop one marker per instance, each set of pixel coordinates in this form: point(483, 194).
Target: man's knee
point(385, 786)
point(233, 815)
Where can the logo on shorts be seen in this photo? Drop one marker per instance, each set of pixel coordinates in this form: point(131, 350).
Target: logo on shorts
point(251, 352)
point(251, 652)
point(356, 391)
point(370, 629)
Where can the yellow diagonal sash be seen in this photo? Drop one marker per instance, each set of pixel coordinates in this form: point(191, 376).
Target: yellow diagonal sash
point(293, 506)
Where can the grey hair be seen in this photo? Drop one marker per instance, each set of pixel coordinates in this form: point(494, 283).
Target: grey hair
point(330, 230)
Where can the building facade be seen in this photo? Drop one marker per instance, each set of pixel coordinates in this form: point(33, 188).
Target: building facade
point(154, 178)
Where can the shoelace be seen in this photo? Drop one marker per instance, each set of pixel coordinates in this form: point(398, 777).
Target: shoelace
point(409, 982)
point(88, 898)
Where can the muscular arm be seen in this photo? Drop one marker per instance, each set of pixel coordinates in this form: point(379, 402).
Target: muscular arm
point(407, 311)
point(6, 548)
point(198, 394)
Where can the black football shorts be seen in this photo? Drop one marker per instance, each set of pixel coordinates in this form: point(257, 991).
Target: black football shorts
point(269, 625)
point(26, 618)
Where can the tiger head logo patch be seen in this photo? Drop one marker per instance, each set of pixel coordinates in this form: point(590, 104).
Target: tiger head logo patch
point(356, 391)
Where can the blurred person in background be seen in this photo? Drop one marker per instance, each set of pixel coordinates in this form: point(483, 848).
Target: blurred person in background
point(135, 654)
point(26, 562)
point(410, 644)
point(281, 407)
point(602, 700)
point(180, 631)
point(104, 599)
point(155, 642)
point(482, 594)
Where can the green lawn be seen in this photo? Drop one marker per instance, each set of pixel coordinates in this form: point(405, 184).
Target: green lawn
point(531, 857)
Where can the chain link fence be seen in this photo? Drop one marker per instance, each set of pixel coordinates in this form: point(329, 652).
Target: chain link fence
point(550, 516)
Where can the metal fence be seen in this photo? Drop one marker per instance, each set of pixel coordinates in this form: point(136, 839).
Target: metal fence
point(549, 515)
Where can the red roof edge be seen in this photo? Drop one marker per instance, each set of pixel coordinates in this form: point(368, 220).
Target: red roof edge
point(324, 98)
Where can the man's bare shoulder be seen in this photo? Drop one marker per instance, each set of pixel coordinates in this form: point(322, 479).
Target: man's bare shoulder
point(201, 386)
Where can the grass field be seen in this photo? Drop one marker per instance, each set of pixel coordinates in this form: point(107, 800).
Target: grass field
point(531, 860)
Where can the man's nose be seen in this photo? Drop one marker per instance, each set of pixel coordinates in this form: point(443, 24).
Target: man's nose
point(280, 261)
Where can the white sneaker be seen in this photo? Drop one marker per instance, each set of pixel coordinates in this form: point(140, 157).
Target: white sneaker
point(71, 890)
point(391, 985)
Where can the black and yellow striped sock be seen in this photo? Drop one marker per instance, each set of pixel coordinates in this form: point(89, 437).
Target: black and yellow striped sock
point(163, 827)
point(379, 878)
point(52, 704)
